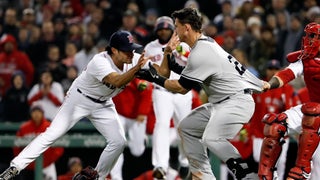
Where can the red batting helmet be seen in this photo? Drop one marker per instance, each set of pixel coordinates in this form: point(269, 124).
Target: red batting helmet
point(311, 41)
point(164, 22)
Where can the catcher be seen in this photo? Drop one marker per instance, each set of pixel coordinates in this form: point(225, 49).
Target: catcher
point(302, 119)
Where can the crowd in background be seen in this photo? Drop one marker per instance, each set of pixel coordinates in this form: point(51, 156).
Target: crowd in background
point(45, 44)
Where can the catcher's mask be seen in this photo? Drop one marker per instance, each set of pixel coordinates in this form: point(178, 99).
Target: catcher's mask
point(311, 41)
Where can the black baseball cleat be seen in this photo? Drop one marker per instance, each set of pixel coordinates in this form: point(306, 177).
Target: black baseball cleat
point(9, 173)
point(184, 172)
point(159, 173)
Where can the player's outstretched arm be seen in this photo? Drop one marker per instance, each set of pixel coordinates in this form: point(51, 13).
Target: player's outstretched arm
point(152, 75)
point(119, 80)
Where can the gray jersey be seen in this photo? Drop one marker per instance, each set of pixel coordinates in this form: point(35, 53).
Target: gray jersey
point(220, 74)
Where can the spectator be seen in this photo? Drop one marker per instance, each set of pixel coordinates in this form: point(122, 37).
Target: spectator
point(251, 35)
point(293, 38)
point(262, 50)
point(31, 128)
point(11, 60)
point(93, 30)
point(49, 93)
point(74, 166)
point(130, 22)
point(34, 47)
point(242, 57)
point(89, 7)
point(10, 22)
point(70, 53)
point(112, 17)
point(281, 32)
point(54, 64)
point(28, 18)
point(88, 50)
point(23, 39)
point(226, 10)
point(60, 30)
point(38, 51)
point(245, 10)
point(101, 45)
point(150, 20)
point(72, 73)
point(228, 41)
point(75, 33)
point(211, 30)
point(16, 107)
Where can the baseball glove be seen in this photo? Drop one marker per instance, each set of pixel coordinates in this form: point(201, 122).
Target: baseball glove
point(151, 75)
point(87, 173)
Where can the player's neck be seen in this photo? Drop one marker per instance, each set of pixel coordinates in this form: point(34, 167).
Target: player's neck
point(194, 38)
point(117, 62)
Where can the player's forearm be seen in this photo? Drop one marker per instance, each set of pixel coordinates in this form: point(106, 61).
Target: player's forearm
point(175, 86)
point(275, 82)
point(119, 80)
point(164, 67)
point(282, 77)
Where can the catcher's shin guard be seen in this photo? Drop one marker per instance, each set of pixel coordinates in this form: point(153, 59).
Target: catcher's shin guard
point(308, 141)
point(274, 131)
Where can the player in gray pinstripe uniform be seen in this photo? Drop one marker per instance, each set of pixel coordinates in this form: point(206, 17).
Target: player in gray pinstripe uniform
point(228, 86)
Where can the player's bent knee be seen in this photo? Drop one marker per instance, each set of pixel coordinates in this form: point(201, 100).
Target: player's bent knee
point(118, 143)
point(311, 116)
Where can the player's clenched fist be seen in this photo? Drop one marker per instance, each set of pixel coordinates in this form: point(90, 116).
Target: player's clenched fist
point(266, 86)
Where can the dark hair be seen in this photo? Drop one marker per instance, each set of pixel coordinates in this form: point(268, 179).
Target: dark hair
point(108, 49)
point(189, 16)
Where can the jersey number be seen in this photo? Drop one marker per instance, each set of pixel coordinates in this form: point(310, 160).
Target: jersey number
point(238, 66)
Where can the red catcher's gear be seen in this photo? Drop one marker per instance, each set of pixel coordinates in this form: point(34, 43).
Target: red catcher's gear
point(308, 140)
point(274, 130)
point(311, 41)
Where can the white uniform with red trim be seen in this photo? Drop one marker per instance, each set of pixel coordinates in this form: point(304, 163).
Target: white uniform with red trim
point(166, 105)
point(295, 120)
point(87, 97)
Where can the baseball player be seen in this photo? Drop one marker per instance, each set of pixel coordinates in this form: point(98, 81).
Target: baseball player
point(273, 101)
point(302, 119)
point(228, 86)
point(133, 105)
point(90, 96)
point(167, 105)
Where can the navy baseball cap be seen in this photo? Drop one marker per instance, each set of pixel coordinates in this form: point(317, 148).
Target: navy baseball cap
point(273, 64)
point(123, 41)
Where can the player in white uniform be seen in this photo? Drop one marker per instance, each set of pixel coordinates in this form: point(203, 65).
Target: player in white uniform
point(166, 104)
point(228, 86)
point(90, 96)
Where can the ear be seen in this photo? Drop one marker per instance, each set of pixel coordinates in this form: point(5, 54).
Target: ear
point(188, 27)
point(114, 50)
